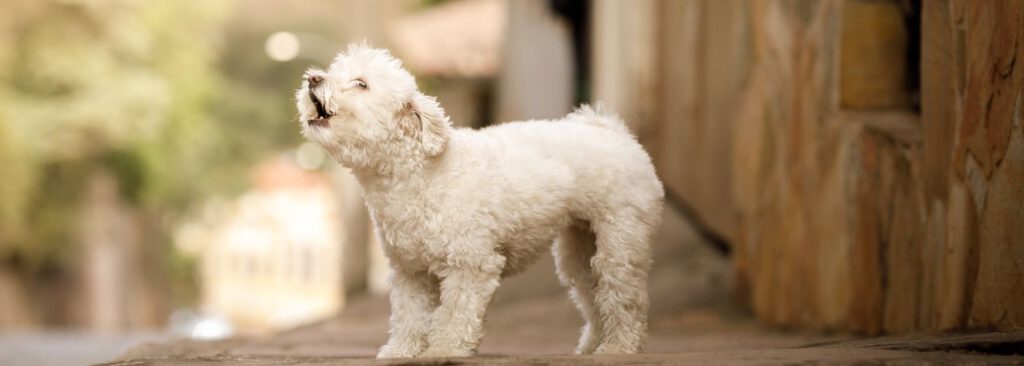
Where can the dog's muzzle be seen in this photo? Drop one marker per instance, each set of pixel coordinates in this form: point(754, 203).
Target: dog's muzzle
point(322, 117)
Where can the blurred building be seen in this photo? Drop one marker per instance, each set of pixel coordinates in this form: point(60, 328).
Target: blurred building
point(490, 61)
point(270, 259)
point(455, 48)
point(862, 160)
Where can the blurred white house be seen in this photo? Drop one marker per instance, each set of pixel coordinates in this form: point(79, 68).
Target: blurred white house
point(270, 259)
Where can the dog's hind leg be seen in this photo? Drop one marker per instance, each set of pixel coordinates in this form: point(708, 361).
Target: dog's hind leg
point(572, 251)
point(621, 263)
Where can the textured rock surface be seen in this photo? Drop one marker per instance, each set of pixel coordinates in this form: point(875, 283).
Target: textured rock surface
point(884, 221)
point(854, 196)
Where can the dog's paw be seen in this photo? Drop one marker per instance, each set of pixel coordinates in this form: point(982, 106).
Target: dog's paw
point(590, 338)
point(390, 351)
point(445, 352)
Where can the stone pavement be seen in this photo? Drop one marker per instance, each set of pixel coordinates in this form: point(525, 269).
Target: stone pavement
point(693, 322)
point(543, 332)
point(61, 347)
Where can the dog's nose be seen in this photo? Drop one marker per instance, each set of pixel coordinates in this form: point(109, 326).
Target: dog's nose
point(314, 80)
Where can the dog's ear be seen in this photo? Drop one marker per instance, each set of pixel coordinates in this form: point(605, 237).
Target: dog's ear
point(423, 118)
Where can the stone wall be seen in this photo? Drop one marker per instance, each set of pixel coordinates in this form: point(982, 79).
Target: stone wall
point(864, 159)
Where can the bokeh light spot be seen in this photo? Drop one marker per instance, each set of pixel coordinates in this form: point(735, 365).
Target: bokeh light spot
point(282, 46)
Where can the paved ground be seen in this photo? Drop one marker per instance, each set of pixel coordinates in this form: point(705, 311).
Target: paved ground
point(67, 347)
point(542, 333)
point(693, 321)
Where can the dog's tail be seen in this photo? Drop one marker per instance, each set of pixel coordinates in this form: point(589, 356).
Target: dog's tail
point(596, 115)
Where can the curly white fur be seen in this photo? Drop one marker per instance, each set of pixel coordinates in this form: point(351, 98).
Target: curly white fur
point(458, 209)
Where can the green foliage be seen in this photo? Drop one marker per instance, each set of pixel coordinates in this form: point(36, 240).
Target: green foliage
point(429, 3)
point(16, 176)
point(134, 88)
point(130, 170)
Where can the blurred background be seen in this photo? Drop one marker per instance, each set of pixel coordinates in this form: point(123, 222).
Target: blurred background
point(843, 165)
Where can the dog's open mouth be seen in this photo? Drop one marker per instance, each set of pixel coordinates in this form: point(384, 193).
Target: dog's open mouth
point(322, 117)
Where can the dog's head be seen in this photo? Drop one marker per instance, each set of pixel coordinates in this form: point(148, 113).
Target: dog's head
point(366, 107)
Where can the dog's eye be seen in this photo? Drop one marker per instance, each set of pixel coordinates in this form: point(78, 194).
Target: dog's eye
point(361, 84)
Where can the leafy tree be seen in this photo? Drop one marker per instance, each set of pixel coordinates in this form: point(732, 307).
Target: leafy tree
point(131, 87)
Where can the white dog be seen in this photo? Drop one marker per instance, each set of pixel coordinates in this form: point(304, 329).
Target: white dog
point(458, 209)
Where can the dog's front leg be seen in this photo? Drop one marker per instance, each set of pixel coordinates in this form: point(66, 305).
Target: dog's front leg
point(458, 321)
point(413, 296)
